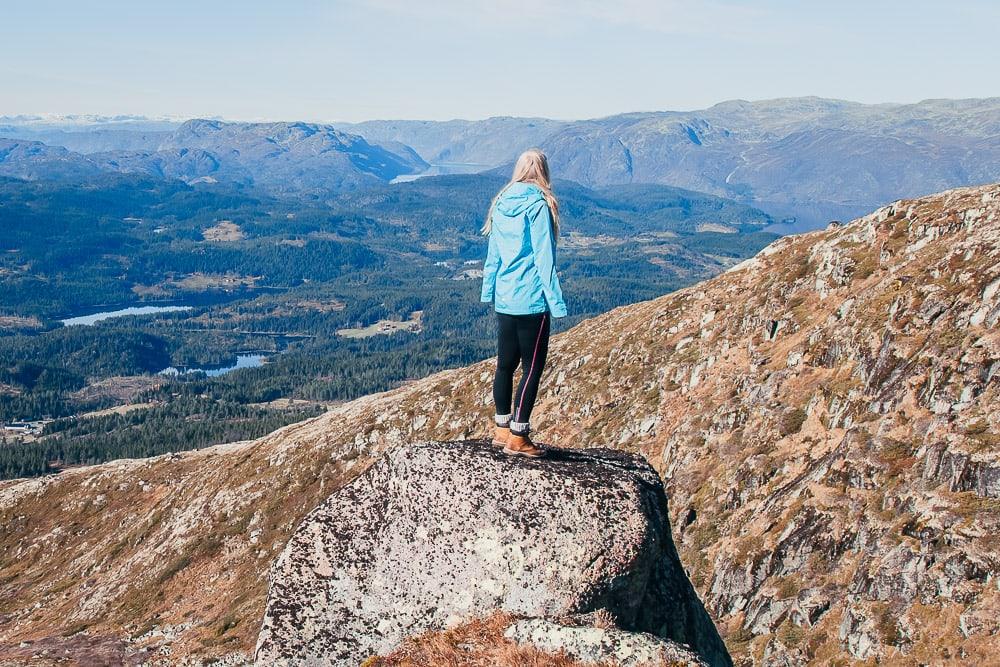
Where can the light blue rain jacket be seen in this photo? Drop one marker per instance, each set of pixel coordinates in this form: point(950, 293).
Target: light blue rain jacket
point(519, 275)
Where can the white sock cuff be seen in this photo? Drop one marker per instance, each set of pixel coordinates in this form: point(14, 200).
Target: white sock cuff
point(501, 420)
point(519, 427)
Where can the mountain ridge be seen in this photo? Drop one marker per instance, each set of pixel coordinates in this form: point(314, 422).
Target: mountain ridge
point(808, 159)
point(299, 158)
point(859, 155)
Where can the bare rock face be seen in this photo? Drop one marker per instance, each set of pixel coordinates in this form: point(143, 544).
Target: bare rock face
point(436, 533)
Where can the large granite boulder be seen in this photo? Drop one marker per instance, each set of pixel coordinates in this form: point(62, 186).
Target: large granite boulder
point(436, 533)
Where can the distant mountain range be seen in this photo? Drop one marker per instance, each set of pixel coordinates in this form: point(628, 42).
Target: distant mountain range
point(277, 157)
point(810, 159)
point(490, 142)
point(88, 133)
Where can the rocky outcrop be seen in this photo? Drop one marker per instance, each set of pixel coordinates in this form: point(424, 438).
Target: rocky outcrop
point(437, 533)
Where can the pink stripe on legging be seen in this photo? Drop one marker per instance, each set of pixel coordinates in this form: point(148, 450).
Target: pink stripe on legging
point(534, 355)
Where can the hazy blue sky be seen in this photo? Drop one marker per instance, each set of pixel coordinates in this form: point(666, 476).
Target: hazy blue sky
point(352, 60)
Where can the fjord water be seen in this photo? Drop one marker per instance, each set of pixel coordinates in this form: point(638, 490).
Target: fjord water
point(444, 168)
point(249, 360)
point(246, 360)
point(90, 320)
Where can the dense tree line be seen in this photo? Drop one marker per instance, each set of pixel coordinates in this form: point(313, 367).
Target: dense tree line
point(187, 422)
point(66, 248)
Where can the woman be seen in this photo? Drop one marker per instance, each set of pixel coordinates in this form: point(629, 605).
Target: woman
point(519, 277)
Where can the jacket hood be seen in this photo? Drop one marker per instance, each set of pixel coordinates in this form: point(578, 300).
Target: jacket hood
point(518, 198)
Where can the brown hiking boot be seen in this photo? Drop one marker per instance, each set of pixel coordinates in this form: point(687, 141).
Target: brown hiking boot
point(500, 436)
point(521, 445)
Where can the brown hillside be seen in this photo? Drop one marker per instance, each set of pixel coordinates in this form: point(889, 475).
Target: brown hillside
point(824, 415)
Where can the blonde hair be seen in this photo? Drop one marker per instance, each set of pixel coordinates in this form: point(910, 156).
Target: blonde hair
point(531, 167)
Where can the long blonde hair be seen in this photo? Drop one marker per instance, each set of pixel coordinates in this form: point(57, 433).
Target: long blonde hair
point(531, 167)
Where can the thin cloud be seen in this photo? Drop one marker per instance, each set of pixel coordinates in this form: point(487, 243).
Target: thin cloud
point(676, 17)
point(664, 16)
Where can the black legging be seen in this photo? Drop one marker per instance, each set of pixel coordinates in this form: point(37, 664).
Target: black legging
point(524, 339)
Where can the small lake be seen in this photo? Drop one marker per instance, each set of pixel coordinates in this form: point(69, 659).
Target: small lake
point(89, 320)
point(442, 168)
point(242, 361)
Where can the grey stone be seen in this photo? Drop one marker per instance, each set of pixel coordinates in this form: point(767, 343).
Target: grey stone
point(626, 649)
point(437, 533)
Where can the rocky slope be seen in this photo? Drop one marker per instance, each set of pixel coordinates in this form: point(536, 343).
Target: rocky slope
point(824, 418)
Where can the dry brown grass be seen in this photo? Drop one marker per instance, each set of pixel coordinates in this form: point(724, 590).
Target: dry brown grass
point(16, 322)
point(384, 327)
point(479, 643)
point(200, 282)
point(225, 231)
